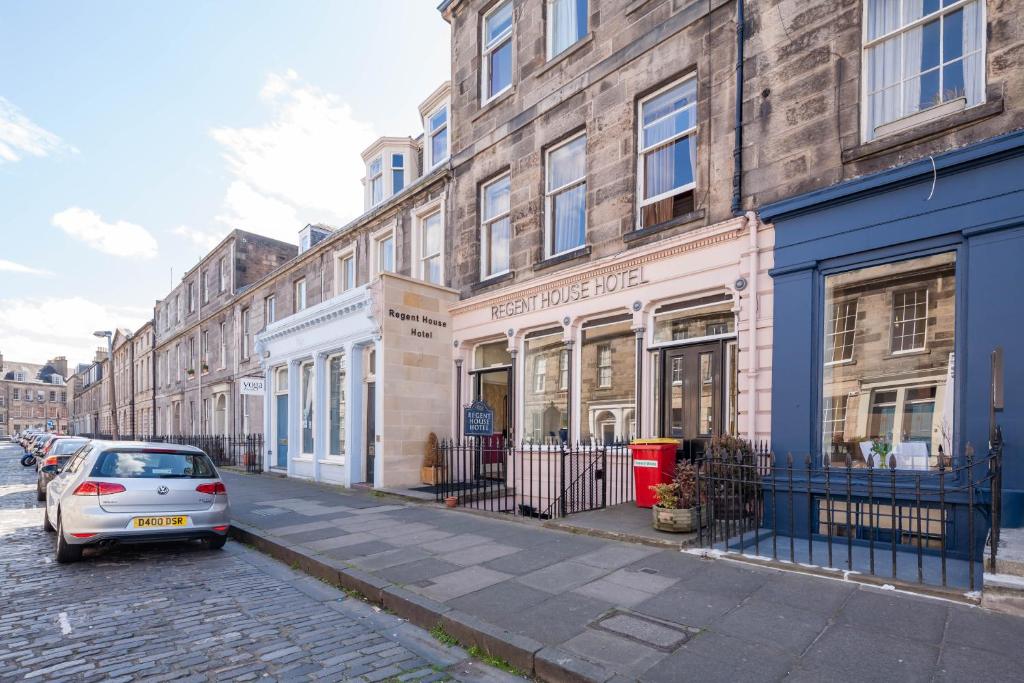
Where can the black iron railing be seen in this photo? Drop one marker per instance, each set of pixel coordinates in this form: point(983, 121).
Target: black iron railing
point(541, 480)
point(242, 451)
point(911, 526)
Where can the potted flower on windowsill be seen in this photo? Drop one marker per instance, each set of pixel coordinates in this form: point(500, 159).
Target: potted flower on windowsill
point(206, 368)
point(676, 508)
point(190, 372)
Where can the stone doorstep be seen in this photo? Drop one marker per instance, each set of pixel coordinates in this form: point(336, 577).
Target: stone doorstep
point(526, 654)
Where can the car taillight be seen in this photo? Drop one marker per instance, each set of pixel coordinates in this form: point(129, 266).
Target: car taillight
point(98, 488)
point(213, 488)
point(52, 460)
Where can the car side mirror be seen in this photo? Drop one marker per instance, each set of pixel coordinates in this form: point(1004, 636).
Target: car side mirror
point(51, 469)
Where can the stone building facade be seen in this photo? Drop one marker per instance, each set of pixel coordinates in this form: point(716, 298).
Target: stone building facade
point(33, 395)
point(90, 412)
point(143, 371)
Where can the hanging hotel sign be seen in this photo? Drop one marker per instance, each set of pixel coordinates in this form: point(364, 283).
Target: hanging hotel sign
point(478, 419)
point(252, 386)
point(593, 287)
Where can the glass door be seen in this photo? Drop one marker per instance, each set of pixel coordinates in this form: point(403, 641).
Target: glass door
point(691, 395)
point(494, 387)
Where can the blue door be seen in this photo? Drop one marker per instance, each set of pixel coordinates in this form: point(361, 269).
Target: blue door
point(282, 431)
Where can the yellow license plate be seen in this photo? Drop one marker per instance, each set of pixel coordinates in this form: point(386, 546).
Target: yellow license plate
point(158, 522)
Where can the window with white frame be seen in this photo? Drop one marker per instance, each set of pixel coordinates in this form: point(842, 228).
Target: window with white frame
point(604, 365)
point(347, 271)
point(540, 373)
point(667, 147)
point(397, 173)
point(919, 54)
point(909, 320)
point(376, 179)
point(384, 246)
point(223, 273)
point(496, 229)
point(223, 345)
point(245, 333)
point(565, 196)
point(839, 336)
point(566, 24)
point(191, 297)
point(204, 348)
point(177, 362)
point(833, 413)
point(336, 405)
point(563, 370)
point(206, 287)
point(270, 309)
point(306, 392)
point(300, 295)
point(437, 135)
point(496, 59)
point(431, 239)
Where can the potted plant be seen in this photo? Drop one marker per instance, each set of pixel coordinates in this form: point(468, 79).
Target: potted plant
point(190, 371)
point(205, 367)
point(433, 467)
point(676, 508)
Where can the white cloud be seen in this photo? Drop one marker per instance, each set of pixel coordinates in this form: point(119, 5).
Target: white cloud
point(302, 165)
point(12, 267)
point(200, 238)
point(60, 327)
point(120, 239)
point(20, 136)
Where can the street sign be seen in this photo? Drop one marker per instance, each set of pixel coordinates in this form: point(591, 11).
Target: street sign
point(252, 386)
point(478, 419)
point(49, 424)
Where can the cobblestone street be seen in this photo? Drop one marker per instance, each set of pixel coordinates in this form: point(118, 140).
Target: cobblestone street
point(180, 613)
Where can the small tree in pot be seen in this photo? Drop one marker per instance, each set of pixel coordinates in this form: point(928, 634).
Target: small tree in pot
point(676, 509)
point(430, 473)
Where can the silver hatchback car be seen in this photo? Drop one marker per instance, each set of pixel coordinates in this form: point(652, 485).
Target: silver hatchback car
point(136, 492)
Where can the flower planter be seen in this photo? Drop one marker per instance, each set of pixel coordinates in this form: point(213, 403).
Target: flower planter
point(431, 475)
point(674, 520)
point(451, 501)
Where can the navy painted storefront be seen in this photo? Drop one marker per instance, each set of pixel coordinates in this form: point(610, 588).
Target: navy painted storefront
point(968, 201)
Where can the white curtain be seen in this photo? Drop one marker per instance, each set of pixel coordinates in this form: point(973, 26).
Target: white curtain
point(886, 63)
point(564, 29)
point(570, 212)
point(974, 80)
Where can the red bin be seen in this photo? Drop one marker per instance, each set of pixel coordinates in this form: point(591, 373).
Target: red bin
point(654, 462)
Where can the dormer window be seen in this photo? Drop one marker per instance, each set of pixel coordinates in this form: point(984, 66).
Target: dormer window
point(397, 173)
point(376, 181)
point(304, 244)
point(437, 136)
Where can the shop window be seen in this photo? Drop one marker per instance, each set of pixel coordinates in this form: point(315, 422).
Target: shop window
point(336, 382)
point(697, 319)
point(496, 228)
point(567, 24)
point(909, 320)
point(920, 55)
point(607, 380)
point(491, 354)
point(565, 198)
point(563, 369)
point(546, 410)
point(496, 60)
point(667, 148)
point(732, 379)
point(842, 327)
point(306, 392)
point(889, 402)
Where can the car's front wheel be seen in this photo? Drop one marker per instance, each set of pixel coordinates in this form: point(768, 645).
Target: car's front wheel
point(65, 551)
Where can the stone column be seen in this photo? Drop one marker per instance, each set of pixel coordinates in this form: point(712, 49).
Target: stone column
point(294, 413)
point(638, 413)
point(269, 443)
point(353, 413)
point(319, 411)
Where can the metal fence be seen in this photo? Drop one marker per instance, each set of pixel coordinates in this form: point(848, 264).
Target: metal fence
point(242, 451)
point(534, 479)
point(909, 526)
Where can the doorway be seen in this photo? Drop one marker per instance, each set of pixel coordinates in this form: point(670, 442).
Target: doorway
point(282, 431)
point(691, 395)
point(371, 430)
point(494, 387)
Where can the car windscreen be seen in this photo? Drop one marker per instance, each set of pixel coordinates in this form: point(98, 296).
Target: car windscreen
point(143, 464)
point(66, 446)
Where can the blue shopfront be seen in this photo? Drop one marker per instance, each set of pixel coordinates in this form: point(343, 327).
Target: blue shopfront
point(899, 327)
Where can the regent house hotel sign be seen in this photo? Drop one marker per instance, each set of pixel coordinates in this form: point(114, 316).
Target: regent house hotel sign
point(423, 325)
point(591, 288)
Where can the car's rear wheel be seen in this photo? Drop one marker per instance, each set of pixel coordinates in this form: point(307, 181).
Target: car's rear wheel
point(215, 543)
point(65, 551)
point(47, 527)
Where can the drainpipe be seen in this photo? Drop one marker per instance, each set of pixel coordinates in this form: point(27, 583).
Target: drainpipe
point(754, 260)
point(737, 152)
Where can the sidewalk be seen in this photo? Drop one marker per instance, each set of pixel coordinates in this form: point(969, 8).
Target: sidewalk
point(568, 607)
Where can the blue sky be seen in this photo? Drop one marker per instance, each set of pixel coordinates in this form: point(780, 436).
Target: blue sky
point(133, 135)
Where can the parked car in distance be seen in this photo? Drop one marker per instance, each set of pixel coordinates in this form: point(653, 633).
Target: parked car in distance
point(135, 492)
point(38, 442)
point(58, 452)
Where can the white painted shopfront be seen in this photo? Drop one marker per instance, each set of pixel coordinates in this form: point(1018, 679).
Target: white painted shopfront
point(668, 339)
point(349, 382)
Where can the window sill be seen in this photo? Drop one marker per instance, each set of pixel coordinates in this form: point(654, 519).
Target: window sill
point(565, 54)
point(638, 235)
point(332, 460)
point(581, 252)
point(485, 107)
point(302, 458)
point(497, 279)
point(993, 106)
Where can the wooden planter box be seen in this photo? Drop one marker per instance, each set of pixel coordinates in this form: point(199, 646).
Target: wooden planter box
point(674, 520)
point(431, 475)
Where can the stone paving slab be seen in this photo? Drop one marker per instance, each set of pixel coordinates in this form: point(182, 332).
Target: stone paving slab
point(605, 610)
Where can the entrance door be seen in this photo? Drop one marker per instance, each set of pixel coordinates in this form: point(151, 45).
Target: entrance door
point(494, 387)
point(282, 431)
point(691, 395)
point(371, 430)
